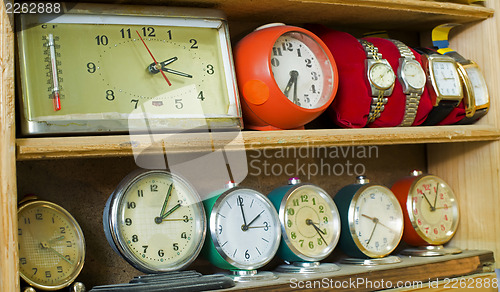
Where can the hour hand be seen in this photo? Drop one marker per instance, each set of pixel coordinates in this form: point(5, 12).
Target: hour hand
point(155, 68)
point(291, 82)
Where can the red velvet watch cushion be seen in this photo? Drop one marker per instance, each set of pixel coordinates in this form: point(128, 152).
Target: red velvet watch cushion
point(351, 106)
point(456, 115)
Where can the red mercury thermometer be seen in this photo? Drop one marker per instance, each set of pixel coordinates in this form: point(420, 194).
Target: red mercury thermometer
point(56, 99)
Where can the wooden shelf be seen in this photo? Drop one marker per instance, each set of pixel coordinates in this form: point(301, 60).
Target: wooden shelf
point(375, 14)
point(413, 270)
point(124, 145)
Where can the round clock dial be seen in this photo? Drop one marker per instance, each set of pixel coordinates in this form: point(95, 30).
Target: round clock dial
point(433, 209)
point(310, 222)
point(301, 69)
point(375, 221)
point(156, 221)
point(446, 78)
point(51, 245)
point(382, 75)
point(414, 74)
point(478, 85)
point(245, 229)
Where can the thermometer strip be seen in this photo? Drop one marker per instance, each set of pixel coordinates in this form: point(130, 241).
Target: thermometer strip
point(55, 90)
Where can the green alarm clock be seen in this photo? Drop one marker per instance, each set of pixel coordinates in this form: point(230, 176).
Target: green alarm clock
point(372, 223)
point(310, 225)
point(243, 232)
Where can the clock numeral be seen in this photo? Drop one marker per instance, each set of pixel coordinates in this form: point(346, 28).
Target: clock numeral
point(126, 33)
point(320, 241)
point(275, 62)
point(200, 96)
point(59, 269)
point(293, 235)
point(102, 40)
point(22, 261)
point(377, 245)
point(325, 220)
point(169, 33)
point(140, 193)
point(443, 228)
point(154, 188)
point(436, 231)
point(185, 218)
point(372, 196)
point(445, 217)
point(304, 198)
point(128, 221)
point(290, 211)
point(314, 201)
point(301, 242)
point(135, 101)
point(179, 104)
point(145, 247)
point(184, 235)
point(68, 257)
point(27, 221)
point(19, 231)
point(175, 246)
point(321, 208)
point(148, 31)
point(314, 76)
point(161, 253)
point(296, 202)
point(311, 244)
point(69, 243)
point(277, 51)
point(289, 223)
point(299, 54)
point(308, 63)
point(47, 274)
point(247, 255)
point(62, 229)
point(91, 67)
point(419, 222)
point(220, 229)
point(266, 226)
point(38, 216)
point(110, 95)
point(34, 269)
point(210, 69)
point(194, 43)
point(131, 205)
point(135, 238)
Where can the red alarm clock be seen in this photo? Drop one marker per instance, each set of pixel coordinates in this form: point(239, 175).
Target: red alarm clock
point(286, 76)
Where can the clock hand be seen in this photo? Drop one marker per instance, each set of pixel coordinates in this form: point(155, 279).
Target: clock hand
point(169, 192)
point(319, 231)
point(156, 63)
point(152, 68)
point(45, 245)
point(257, 227)
point(253, 220)
point(244, 227)
point(295, 99)
point(170, 211)
point(435, 198)
point(376, 220)
point(373, 231)
point(291, 81)
point(176, 219)
point(430, 205)
point(56, 239)
point(177, 72)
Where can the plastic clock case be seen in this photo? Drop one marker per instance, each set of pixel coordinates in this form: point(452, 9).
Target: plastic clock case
point(114, 236)
point(103, 63)
point(38, 210)
point(405, 190)
point(264, 104)
point(347, 200)
point(300, 262)
point(212, 249)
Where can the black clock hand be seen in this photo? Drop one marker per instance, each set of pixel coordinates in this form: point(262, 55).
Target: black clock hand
point(176, 72)
point(373, 230)
point(240, 202)
point(167, 196)
point(435, 198)
point(292, 81)
point(253, 220)
point(319, 231)
point(429, 202)
point(295, 99)
point(154, 68)
point(170, 211)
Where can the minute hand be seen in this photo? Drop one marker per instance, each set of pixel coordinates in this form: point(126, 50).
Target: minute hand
point(170, 211)
point(253, 220)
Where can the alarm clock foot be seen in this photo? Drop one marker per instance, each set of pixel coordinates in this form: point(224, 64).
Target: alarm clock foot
point(252, 275)
point(430, 251)
point(307, 268)
point(372, 262)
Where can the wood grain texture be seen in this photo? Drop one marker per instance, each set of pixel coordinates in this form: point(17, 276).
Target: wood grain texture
point(472, 169)
point(104, 146)
point(9, 279)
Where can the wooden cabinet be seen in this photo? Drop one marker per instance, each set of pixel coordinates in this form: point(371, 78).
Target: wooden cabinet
point(80, 172)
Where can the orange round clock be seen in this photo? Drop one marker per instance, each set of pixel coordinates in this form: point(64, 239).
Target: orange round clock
point(429, 207)
point(286, 75)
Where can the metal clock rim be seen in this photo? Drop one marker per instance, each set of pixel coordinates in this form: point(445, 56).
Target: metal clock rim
point(351, 218)
point(286, 239)
point(213, 215)
point(409, 208)
point(74, 223)
point(117, 196)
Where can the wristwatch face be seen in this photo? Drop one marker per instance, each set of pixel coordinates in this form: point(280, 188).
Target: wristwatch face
point(478, 85)
point(381, 75)
point(446, 78)
point(414, 74)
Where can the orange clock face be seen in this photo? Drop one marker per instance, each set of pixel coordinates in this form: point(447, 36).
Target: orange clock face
point(433, 209)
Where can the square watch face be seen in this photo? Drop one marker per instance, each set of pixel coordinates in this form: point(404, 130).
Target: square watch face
point(478, 85)
point(446, 79)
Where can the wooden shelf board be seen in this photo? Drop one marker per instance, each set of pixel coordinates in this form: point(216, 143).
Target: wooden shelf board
point(411, 269)
point(416, 15)
point(124, 145)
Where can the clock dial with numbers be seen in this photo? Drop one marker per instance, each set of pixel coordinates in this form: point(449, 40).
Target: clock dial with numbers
point(446, 78)
point(479, 87)
point(51, 245)
point(244, 229)
point(156, 221)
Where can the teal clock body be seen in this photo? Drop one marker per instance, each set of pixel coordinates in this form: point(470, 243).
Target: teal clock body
point(243, 229)
point(371, 218)
point(310, 223)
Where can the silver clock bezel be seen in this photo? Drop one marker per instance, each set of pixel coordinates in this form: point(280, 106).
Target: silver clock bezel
point(213, 229)
point(336, 221)
point(351, 219)
point(119, 243)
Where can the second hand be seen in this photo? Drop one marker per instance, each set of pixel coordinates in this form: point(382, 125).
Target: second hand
point(156, 63)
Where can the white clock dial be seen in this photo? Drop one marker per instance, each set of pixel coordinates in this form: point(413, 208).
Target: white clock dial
point(157, 222)
point(302, 70)
point(377, 221)
point(414, 74)
point(246, 227)
point(381, 75)
point(478, 85)
point(446, 78)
